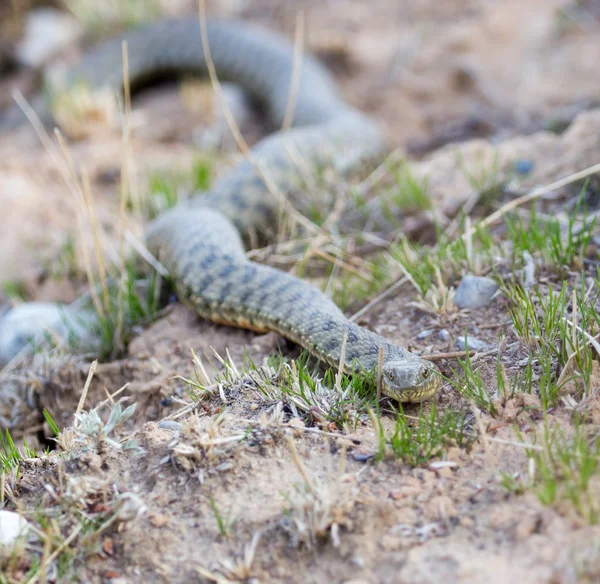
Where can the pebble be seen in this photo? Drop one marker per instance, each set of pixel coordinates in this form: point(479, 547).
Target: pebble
point(475, 292)
point(27, 322)
point(473, 342)
point(444, 335)
point(524, 166)
point(12, 526)
point(170, 425)
point(47, 32)
point(424, 334)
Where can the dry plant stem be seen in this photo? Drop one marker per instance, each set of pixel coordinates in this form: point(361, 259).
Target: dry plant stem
point(535, 194)
point(290, 109)
point(142, 250)
point(379, 373)
point(86, 388)
point(340, 263)
point(239, 139)
point(57, 551)
point(380, 172)
point(478, 420)
point(590, 341)
point(75, 187)
point(93, 219)
point(298, 462)
point(124, 196)
point(340, 371)
point(111, 397)
point(449, 355)
point(378, 299)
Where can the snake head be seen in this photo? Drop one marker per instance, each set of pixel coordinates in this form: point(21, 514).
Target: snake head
point(410, 380)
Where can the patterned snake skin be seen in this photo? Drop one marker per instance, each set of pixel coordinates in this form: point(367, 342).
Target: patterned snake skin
point(201, 243)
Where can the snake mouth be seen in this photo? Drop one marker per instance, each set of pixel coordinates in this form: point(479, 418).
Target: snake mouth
point(411, 383)
point(413, 395)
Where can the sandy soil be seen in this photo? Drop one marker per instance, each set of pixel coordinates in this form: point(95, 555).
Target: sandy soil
point(494, 75)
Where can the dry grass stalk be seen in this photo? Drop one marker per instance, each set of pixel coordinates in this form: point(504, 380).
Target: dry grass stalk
point(86, 388)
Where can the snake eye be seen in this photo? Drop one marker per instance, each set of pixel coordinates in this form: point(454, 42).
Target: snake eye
point(391, 376)
point(426, 374)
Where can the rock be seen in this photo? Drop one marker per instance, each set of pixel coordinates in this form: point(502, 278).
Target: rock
point(444, 335)
point(12, 526)
point(424, 334)
point(524, 166)
point(474, 292)
point(47, 31)
point(28, 323)
point(170, 425)
point(473, 342)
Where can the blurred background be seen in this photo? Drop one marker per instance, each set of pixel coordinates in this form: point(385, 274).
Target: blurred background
point(432, 72)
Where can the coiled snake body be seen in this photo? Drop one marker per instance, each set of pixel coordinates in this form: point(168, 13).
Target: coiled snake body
point(201, 244)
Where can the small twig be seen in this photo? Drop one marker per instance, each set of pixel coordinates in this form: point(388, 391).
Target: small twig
point(86, 387)
point(341, 365)
point(484, 438)
point(142, 250)
point(298, 462)
point(58, 551)
point(111, 398)
point(449, 355)
point(379, 373)
point(290, 109)
point(378, 299)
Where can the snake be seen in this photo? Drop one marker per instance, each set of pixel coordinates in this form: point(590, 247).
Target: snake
point(202, 243)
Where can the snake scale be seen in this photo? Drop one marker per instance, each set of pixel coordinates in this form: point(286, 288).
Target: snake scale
point(201, 243)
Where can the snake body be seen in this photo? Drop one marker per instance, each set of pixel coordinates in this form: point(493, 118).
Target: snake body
point(201, 243)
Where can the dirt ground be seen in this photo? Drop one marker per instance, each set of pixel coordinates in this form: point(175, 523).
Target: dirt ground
point(468, 80)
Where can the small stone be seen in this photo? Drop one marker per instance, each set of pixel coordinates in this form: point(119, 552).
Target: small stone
point(12, 526)
point(170, 425)
point(475, 292)
point(360, 456)
point(524, 166)
point(424, 334)
point(47, 32)
point(444, 335)
point(473, 343)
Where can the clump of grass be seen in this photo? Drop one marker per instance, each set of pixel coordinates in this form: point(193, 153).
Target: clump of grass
point(82, 111)
point(409, 193)
point(484, 178)
point(206, 445)
point(90, 430)
point(317, 510)
point(125, 304)
point(559, 349)
point(564, 470)
point(166, 189)
point(331, 400)
point(427, 438)
point(225, 522)
point(14, 290)
point(430, 268)
point(560, 247)
point(102, 18)
point(471, 385)
point(10, 455)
